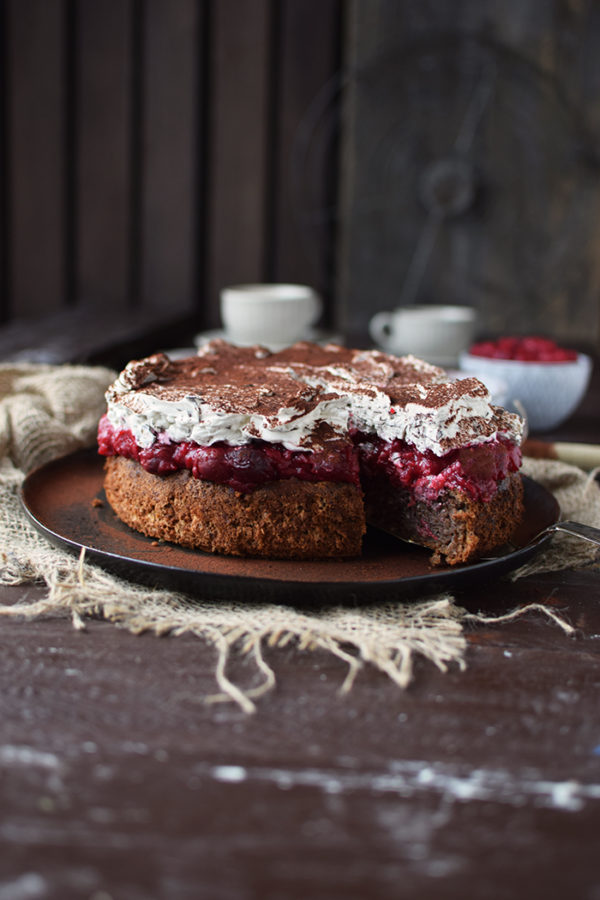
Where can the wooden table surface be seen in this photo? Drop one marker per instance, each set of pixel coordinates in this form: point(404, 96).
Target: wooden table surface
point(119, 783)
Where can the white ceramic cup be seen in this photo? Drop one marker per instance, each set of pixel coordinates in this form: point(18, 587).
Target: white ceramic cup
point(438, 334)
point(272, 314)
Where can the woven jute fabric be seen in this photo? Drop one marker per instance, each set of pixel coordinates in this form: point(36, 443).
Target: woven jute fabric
point(50, 411)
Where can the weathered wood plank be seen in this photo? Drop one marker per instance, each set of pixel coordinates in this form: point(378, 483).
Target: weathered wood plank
point(308, 47)
point(87, 334)
point(104, 177)
point(238, 147)
point(35, 145)
point(5, 275)
point(118, 779)
point(172, 42)
point(522, 251)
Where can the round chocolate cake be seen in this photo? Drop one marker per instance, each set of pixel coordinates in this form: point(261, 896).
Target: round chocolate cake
point(289, 454)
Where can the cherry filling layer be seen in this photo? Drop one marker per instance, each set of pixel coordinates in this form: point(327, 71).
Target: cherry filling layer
point(476, 470)
point(243, 467)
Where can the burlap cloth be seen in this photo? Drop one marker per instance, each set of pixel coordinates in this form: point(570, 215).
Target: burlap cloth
point(48, 411)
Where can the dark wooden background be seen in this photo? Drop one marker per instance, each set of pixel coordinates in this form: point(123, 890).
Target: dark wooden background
point(145, 148)
point(152, 151)
point(510, 90)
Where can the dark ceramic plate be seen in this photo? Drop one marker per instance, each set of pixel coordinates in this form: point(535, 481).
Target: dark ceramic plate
point(65, 501)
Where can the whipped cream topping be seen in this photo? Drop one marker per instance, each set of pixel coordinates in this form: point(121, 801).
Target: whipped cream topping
point(304, 397)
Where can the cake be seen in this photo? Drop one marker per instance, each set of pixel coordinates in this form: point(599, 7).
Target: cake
point(290, 454)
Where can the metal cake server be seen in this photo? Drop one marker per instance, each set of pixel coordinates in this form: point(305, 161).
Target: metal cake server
point(578, 529)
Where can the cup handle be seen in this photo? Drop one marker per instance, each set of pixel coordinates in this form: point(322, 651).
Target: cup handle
point(379, 328)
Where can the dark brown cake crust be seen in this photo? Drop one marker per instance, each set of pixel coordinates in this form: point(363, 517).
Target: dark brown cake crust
point(292, 519)
point(288, 519)
point(456, 527)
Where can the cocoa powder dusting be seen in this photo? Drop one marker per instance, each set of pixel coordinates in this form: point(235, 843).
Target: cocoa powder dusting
point(293, 381)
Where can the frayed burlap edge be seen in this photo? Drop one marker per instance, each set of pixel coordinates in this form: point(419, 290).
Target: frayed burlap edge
point(48, 411)
point(578, 495)
point(387, 636)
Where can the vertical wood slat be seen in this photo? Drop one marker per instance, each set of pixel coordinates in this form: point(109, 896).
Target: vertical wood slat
point(70, 159)
point(172, 40)
point(136, 156)
point(308, 49)
point(4, 171)
point(238, 147)
point(126, 187)
point(104, 122)
point(35, 144)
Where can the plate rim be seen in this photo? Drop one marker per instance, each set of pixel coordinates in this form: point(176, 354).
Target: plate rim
point(426, 584)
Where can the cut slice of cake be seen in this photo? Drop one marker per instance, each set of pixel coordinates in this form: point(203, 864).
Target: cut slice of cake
point(288, 455)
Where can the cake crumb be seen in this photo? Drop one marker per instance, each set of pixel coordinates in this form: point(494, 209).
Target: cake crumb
point(97, 502)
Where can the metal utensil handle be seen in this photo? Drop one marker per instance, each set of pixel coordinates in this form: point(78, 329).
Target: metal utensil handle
point(587, 532)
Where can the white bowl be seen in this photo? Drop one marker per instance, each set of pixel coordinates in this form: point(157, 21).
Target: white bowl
point(549, 392)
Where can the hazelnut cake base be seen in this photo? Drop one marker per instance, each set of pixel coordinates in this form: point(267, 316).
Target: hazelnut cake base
point(292, 519)
point(286, 519)
point(288, 455)
point(457, 528)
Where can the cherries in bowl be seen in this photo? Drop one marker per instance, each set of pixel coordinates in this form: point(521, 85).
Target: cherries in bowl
point(547, 379)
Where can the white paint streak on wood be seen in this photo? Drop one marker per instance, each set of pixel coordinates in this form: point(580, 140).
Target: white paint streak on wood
point(11, 755)
point(407, 778)
point(26, 887)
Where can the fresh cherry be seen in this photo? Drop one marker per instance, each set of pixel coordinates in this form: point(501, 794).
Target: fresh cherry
point(532, 348)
